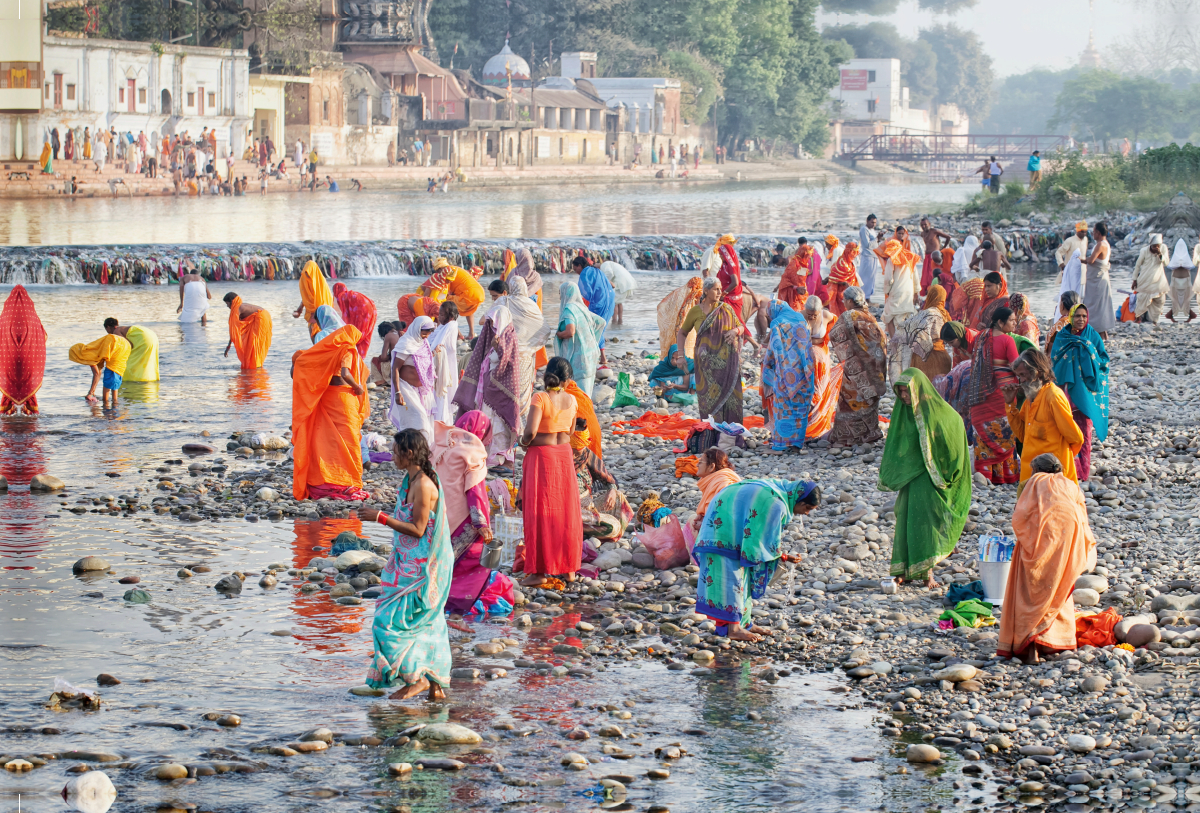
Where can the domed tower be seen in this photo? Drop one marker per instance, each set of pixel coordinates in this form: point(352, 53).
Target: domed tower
point(504, 66)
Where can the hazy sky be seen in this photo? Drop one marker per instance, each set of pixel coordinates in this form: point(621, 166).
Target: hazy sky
point(1023, 34)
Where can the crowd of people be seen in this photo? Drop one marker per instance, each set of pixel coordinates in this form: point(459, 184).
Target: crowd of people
point(978, 394)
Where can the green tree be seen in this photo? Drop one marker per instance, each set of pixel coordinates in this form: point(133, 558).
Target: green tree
point(964, 71)
point(945, 6)
point(877, 8)
point(1104, 105)
point(1024, 103)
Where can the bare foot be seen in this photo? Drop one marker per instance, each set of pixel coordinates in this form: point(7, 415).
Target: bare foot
point(411, 690)
point(533, 581)
point(930, 584)
point(461, 626)
point(570, 577)
point(736, 633)
point(435, 692)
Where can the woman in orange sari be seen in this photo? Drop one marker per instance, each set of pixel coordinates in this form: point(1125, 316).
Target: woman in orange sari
point(828, 377)
point(792, 287)
point(249, 331)
point(410, 306)
point(995, 296)
point(1054, 547)
point(329, 408)
point(842, 275)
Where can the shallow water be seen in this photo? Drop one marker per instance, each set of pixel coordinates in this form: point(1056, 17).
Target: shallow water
point(758, 207)
point(191, 652)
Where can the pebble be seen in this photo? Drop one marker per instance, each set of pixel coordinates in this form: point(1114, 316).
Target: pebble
point(44, 483)
point(920, 753)
point(89, 564)
point(172, 770)
point(448, 734)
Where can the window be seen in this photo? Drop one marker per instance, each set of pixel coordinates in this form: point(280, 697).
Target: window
point(870, 76)
point(121, 95)
point(325, 110)
point(141, 95)
point(870, 105)
point(191, 99)
point(212, 100)
point(70, 93)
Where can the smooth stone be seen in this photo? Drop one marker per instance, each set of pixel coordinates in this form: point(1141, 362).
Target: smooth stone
point(1037, 751)
point(308, 747)
point(1081, 743)
point(198, 448)
point(339, 590)
point(46, 483)
point(137, 596)
point(18, 766)
point(1091, 582)
point(105, 679)
point(1094, 683)
point(1086, 597)
point(440, 764)
point(448, 734)
point(489, 648)
point(229, 721)
point(89, 756)
point(89, 564)
point(399, 768)
point(368, 691)
point(920, 753)
point(172, 770)
point(572, 759)
point(1142, 634)
point(318, 735)
point(229, 584)
point(956, 673)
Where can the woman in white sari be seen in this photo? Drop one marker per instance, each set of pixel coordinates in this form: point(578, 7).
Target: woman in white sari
point(413, 379)
point(961, 267)
point(444, 346)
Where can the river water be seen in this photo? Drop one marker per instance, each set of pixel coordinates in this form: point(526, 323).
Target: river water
point(190, 652)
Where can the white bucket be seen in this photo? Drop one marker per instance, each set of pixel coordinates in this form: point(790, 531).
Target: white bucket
point(994, 576)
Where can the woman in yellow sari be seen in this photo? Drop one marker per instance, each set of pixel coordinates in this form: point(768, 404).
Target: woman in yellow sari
point(314, 292)
point(46, 159)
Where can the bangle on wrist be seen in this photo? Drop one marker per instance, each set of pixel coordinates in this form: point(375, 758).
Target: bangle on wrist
point(382, 519)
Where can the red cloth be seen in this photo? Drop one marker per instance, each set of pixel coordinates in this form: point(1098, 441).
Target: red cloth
point(550, 507)
point(22, 352)
point(730, 277)
point(358, 310)
point(927, 272)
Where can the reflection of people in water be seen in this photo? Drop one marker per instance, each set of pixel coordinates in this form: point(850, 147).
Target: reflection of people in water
point(22, 524)
point(324, 631)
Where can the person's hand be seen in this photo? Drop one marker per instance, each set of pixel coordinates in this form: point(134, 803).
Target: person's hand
point(1010, 393)
point(226, 354)
point(357, 388)
point(179, 309)
point(400, 399)
point(485, 534)
point(368, 514)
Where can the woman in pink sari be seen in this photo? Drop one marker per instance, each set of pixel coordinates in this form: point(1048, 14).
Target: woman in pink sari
point(358, 310)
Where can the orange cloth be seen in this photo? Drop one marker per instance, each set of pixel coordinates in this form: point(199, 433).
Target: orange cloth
point(710, 484)
point(829, 385)
point(251, 337)
point(1054, 546)
point(465, 292)
point(585, 409)
point(1044, 425)
point(900, 255)
point(314, 292)
point(676, 426)
point(327, 421)
point(754, 422)
point(553, 418)
point(687, 464)
point(410, 306)
point(792, 288)
point(1097, 630)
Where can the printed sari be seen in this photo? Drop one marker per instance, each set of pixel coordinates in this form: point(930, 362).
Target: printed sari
point(789, 376)
point(719, 366)
point(860, 344)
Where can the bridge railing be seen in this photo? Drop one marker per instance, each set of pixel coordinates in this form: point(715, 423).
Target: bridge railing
point(939, 146)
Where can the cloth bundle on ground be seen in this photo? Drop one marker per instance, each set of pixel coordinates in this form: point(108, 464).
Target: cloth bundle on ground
point(972, 613)
point(347, 540)
point(665, 543)
point(1097, 629)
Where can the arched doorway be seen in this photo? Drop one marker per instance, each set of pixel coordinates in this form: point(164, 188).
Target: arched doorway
point(166, 102)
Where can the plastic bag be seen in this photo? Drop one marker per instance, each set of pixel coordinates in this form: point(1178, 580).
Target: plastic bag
point(666, 544)
point(624, 396)
point(689, 398)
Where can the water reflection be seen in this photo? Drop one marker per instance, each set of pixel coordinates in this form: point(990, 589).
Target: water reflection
point(250, 386)
point(322, 628)
point(22, 524)
point(140, 392)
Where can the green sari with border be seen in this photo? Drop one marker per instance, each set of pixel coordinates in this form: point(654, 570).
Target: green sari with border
point(926, 459)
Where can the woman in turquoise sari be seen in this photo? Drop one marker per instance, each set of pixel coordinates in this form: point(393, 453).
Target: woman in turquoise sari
point(788, 376)
point(1081, 368)
point(578, 337)
point(674, 374)
point(412, 645)
point(927, 460)
point(738, 548)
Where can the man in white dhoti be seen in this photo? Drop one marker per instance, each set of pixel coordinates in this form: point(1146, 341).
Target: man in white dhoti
point(1150, 280)
point(623, 284)
point(193, 298)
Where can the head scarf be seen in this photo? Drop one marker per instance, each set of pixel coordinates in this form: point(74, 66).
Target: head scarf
point(527, 318)
point(328, 321)
point(855, 294)
point(525, 270)
point(725, 240)
point(832, 241)
point(498, 386)
point(1180, 258)
point(583, 349)
point(1019, 304)
point(22, 351)
point(419, 353)
point(477, 424)
point(899, 254)
point(935, 299)
point(961, 267)
point(844, 270)
point(959, 329)
point(580, 439)
point(804, 254)
point(1081, 225)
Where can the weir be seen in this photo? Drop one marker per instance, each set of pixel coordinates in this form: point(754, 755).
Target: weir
point(159, 264)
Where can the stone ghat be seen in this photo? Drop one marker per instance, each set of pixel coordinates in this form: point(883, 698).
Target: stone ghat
point(157, 264)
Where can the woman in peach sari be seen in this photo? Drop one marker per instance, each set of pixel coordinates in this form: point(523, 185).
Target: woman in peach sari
point(828, 376)
point(1054, 546)
point(714, 472)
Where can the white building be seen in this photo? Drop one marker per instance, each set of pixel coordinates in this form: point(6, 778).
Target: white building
point(137, 87)
point(870, 100)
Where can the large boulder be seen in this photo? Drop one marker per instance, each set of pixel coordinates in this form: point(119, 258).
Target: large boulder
point(45, 483)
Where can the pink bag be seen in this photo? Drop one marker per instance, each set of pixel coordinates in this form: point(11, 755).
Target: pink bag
point(666, 544)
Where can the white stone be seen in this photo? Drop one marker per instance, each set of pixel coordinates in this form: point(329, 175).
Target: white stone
point(1086, 597)
point(1090, 582)
point(266, 494)
point(1081, 743)
point(956, 673)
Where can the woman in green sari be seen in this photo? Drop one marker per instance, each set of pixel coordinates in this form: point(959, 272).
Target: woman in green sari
point(927, 460)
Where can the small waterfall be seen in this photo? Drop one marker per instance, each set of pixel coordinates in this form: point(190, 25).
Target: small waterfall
point(156, 264)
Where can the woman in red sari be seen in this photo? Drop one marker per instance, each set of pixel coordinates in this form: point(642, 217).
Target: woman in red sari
point(991, 371)
point(22, 353)
point(358, 310)
point(968, 302)
point(842, 275)
point(549, 497)
point(792, 288)
point(995, 296)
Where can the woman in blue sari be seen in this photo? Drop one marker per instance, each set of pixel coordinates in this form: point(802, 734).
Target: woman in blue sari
point(598, 292)
point(788, 376)
point(327, 320)
point(409, 635)
point(1081, 368)
point(738, 548)
point(674, 374)
point(578, 336)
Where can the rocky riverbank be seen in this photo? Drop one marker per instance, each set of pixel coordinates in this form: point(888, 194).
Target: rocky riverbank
point(1093, 727)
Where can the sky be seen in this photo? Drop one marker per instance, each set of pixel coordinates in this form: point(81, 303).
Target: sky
point(1022, 34)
